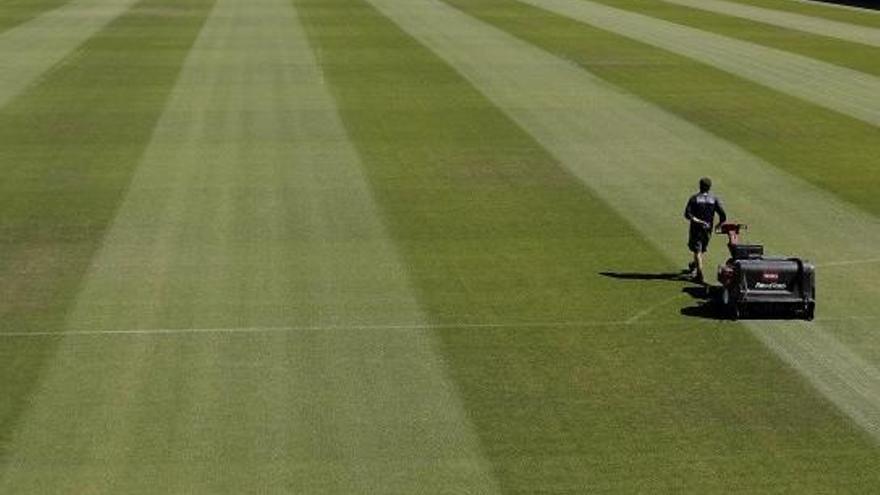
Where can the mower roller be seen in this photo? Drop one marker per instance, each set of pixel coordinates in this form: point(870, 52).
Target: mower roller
point(775, 285)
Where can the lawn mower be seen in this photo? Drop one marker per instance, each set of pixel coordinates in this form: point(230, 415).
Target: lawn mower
point(771, 285)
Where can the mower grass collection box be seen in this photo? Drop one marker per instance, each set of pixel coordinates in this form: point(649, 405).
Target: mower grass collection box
point(771, 285)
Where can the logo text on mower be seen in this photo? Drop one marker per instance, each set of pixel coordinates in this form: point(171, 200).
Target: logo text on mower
point(770, 286)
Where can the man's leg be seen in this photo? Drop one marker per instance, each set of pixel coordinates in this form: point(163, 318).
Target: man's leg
point(694, 247)
point(698, 261)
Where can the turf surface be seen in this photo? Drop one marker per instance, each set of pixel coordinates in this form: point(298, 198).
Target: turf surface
point(790, 20)
point(34, 48)
point(292, 239)
point(803, 139)
point(832, 49)
point(663, 151)
point(836, 88)
point(66, 172)
point(388, 246)
point(14, 12)
point(822, 10)
point(506, 366)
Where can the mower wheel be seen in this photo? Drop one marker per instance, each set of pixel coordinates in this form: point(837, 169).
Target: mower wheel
point(725, 296)
point(730, 307)
point(734, 311)
point(810, 312)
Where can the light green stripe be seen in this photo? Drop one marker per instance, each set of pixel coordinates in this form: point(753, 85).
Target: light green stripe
point(15, 12)
point(643, 161)
point(815, 25)
point(825, 10)
point(837, 88)
point(249, 209)
point(31, 49)
point(820, 3)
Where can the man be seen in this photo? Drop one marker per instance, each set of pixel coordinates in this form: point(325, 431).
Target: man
point(700, 212)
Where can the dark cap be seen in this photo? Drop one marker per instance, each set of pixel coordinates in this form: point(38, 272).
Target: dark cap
point(705, 184)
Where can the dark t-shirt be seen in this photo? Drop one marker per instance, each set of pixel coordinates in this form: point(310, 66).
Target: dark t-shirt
point(704, 206)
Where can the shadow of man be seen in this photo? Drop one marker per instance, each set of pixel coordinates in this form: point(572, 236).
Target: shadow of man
point(672, 276)
point(702, 294)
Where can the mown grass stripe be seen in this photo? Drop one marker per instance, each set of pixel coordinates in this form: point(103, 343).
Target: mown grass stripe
point(15, 12)
point(581, 120)
point(826, 10)
point(70, 145)
point(839, 154)
point(494, 230)
point(249, 208)
point(843, 90)
point(815, 25)
point(30, 50)
point(860, 56)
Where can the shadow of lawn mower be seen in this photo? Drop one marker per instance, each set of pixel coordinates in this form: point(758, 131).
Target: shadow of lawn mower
point(756, 285)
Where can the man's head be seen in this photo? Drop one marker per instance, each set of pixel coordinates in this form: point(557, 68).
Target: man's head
point(705, 184)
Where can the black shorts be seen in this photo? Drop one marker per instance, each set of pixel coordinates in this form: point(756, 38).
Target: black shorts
point(698, 238)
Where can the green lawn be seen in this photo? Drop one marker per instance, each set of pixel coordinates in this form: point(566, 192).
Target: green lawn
point(419, 246)
point(856, 56)
point(71, 144)
point(14, 12)
point(565, 407)
point(836, 153)
point(817, 9)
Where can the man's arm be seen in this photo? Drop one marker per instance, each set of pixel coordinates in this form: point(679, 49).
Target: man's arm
point(688, 215)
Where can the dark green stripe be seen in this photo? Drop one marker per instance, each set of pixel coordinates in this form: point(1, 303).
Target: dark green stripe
point(847, 54)
point(71, 144)
point(816, 9)
point(15, 12)
point(494, 230)
point(832, 151)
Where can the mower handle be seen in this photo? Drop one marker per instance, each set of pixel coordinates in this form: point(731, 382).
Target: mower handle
point(727, 227)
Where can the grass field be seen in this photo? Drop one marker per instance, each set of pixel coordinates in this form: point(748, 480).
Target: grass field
point(417, 246)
